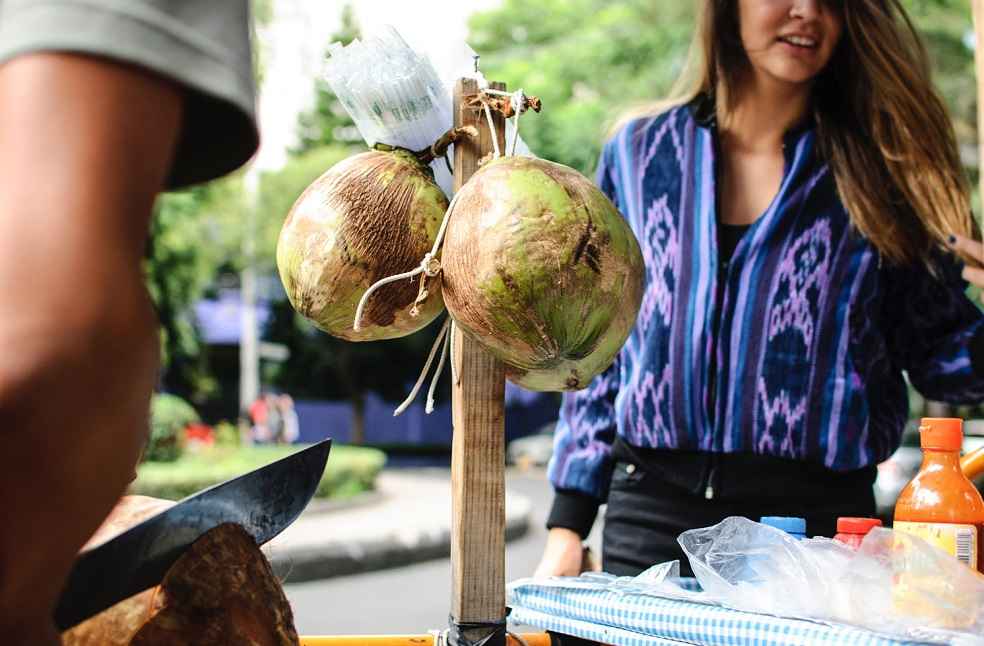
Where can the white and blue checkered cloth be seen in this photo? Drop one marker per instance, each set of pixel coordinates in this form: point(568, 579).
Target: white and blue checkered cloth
point(626, 618)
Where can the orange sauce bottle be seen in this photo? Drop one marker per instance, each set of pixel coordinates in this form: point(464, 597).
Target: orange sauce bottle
point(941, 505)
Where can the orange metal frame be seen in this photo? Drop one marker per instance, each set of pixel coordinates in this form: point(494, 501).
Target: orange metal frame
point(531, 639)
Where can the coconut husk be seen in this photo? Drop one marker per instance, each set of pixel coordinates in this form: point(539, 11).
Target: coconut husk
point(541, 269)
point(369, 217)
point(222, 591)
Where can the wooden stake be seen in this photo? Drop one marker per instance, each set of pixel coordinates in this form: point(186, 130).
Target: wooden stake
point(977, 7)
point(478, 543)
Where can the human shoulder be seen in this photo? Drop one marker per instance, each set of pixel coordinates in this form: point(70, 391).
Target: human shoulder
point(634, 134)
point(640, 125)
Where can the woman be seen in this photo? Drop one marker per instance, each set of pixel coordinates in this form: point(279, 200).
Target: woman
point(794, 207)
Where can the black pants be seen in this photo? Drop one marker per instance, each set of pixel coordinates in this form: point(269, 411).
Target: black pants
point(656, 496)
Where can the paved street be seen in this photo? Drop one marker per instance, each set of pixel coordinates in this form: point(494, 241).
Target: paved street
point(416, 598)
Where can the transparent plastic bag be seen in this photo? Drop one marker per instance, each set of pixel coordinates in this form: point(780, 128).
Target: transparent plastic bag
point(396, 96)
point(896, 583)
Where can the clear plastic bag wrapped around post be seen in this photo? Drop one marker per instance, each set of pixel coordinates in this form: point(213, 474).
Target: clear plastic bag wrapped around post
point(395, 95)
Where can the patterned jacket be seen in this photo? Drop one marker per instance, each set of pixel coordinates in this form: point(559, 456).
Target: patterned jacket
point(814, 334)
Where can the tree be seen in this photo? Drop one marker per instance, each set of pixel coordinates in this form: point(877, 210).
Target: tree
point(323, 367)
point(327, 123)
point(588, 60)
point(591, 60)
point(191, 236)
point(946, 26)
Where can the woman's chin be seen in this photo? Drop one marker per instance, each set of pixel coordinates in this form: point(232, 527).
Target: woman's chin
point(792, 74)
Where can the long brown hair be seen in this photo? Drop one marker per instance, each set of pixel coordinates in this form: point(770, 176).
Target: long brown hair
point(881, 125)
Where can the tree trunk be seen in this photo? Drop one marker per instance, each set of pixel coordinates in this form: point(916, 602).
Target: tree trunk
point(358, 437)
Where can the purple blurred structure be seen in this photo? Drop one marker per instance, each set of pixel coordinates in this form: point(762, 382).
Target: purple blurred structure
point(526, 412)
point(219, 320)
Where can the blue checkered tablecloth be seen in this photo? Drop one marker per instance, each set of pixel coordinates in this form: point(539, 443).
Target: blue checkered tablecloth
point(624, 618)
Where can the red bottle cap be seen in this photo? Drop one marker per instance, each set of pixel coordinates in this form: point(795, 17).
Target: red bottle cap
point(941, 433)
point(862, 526)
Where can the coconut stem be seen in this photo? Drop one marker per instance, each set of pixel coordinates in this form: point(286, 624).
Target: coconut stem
point(440, 147)
point(504, 102)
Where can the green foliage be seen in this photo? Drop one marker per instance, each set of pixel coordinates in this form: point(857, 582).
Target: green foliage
point(350, 470)
point(945, 26)
point(321, 366)
point(588, 61)
point(169, 416)
point(193, 233)
point(327, 123)
point(592, 60)
point(227, 434)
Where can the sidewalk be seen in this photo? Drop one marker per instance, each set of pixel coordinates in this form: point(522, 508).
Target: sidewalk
point(407, 519)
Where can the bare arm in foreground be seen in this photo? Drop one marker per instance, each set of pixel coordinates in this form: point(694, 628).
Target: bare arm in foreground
point(85, 146)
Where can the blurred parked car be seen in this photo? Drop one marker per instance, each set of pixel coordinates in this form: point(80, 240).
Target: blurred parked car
point(532, 450)
point(895, 472)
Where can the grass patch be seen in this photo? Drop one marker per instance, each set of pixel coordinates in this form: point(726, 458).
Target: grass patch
point(351, 470)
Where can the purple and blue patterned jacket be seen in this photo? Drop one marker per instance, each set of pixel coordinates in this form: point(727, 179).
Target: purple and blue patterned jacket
point(814, 332)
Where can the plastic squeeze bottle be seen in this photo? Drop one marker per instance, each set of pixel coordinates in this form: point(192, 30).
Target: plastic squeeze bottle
point(795, 527)
point(851, 531)
point(941, 505)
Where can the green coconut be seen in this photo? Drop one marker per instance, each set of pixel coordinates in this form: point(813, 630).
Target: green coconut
point(543, 271)
point(369, 217)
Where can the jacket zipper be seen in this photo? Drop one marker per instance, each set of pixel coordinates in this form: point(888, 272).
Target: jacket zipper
point(711, 473)
point(712, 386)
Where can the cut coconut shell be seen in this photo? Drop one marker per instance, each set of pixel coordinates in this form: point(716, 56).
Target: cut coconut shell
point(221, 592)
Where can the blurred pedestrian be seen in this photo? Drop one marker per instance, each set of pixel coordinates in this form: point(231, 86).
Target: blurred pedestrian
point(291, 426)
point(274, 419)
point(259, 412)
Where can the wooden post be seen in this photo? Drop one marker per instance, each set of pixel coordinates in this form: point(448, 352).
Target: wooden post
point(478, 543)
point(977, 7)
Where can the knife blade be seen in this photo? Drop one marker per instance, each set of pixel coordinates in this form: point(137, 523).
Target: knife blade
point(264, 501)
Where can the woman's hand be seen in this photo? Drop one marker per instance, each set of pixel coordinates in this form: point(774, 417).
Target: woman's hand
point(972, 254)
point(563, 555)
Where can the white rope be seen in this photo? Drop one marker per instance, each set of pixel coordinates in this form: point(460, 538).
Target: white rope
point(444, 227)
point(423, 373)
point(495, 135)
point(518, 101)
point(454, 369)
point(357, 325)
point(429, 266)
point(489, 90)
point(437, 374)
